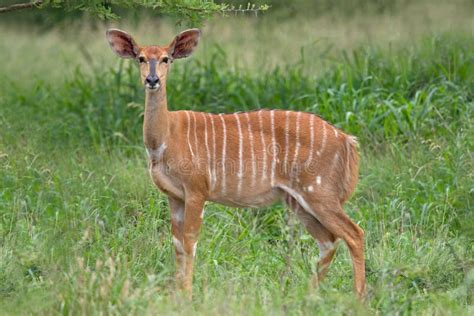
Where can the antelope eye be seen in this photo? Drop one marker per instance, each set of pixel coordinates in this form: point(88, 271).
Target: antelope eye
point(165, 60)
point(141, 59)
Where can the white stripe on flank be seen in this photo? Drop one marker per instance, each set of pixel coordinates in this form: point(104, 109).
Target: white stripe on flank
point(264, 149)
point(298, 145)
point(195, 135)
point(252, 150)
point(318, 180)
point(287, 139)
point(274, 149)
point(214, 155)
point(241, 149)
point(224, 143)
point(323, 143)
point(189, 129)
point(311, 141)
point(335, 132)
point(208, 152)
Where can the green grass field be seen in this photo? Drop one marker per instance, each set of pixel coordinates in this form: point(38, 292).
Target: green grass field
point(84, 231)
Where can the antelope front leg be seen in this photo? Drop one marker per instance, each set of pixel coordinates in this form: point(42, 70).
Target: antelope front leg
point(177, 220)
point(193, 212)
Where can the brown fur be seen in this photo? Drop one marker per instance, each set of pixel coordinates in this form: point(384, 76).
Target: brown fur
point(247, 159)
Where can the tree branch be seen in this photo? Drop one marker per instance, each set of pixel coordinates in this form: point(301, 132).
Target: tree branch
point(20, 6)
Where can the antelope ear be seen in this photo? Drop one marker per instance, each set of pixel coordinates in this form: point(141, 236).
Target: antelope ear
point(122, 43)
point(184, 43)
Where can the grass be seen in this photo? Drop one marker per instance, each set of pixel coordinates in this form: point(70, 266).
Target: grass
point(83, 230)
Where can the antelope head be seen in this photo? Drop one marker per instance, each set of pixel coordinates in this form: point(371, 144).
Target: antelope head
point(154, 61)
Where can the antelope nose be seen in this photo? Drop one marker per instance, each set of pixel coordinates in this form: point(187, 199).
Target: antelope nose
point(152, 80)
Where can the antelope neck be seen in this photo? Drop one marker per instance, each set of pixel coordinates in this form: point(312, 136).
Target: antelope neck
point(155, 121)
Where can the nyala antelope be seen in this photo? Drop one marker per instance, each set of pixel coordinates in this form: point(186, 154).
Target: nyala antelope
point(249, 159)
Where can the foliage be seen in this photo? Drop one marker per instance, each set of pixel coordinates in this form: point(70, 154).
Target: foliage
point(191, 11)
